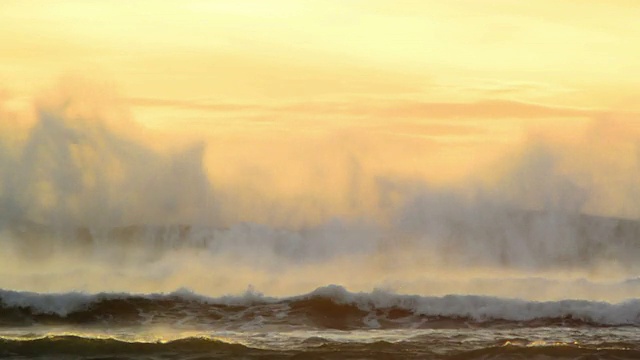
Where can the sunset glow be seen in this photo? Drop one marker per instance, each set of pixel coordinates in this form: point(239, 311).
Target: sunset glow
point(202, 60)
point(319, 179)
point(431, 89)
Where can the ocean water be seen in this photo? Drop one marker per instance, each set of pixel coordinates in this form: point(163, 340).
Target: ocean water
point(327, 323)
point(111, 249)
point(509, 316)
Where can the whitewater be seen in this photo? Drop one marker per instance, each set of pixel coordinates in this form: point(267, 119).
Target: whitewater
point(329, 322)
point(112, 246)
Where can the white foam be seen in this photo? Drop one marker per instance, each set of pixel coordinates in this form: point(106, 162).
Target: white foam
point(479, 308)
point(483, 308)
point(61, 304)
point(64, 304)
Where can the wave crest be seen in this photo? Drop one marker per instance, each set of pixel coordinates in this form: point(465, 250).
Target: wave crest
point(327, 307)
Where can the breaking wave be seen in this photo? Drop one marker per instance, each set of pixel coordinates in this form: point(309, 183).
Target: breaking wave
point(330, 307)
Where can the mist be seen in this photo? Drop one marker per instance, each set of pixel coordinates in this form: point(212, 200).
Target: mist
point(91, 200)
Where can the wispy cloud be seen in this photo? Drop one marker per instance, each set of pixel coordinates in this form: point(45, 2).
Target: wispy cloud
point(192, 105)
point(390, 109)
point(481, 109)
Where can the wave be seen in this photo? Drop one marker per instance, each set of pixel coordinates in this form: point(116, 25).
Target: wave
point(330, 307)
point(202, 347)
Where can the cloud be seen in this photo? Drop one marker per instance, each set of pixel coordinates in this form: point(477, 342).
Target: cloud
point(192, 105)
point(494, 109)
point(432, 129)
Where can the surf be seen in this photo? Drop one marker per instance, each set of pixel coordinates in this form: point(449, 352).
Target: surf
point(330, 307)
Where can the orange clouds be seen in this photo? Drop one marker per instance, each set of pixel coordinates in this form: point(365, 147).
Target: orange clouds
point(387, 109)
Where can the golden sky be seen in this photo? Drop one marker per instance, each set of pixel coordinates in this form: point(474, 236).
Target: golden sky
point(293, 113)
point(221, 56)
point(404, 86)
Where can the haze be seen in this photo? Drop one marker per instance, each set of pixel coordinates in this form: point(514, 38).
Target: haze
point(348, 126)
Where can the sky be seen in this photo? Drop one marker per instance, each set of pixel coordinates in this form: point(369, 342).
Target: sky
point(293, 97)
point(325, 132)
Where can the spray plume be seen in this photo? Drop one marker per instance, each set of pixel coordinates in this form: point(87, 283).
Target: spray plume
point(87, 196)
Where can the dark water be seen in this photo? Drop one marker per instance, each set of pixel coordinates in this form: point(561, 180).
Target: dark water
point(329, 323)
point(318, 348)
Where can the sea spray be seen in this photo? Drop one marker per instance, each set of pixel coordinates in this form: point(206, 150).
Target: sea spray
point(102, 209)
